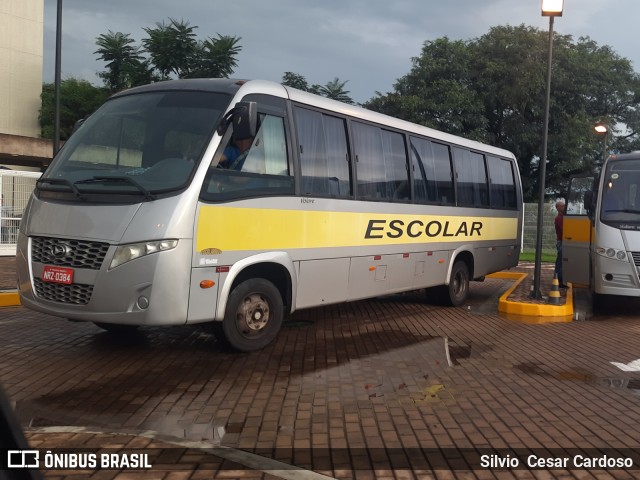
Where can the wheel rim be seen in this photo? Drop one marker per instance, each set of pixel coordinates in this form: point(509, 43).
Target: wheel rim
point(252, 315)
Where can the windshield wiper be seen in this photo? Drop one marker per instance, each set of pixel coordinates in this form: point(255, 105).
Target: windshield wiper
point(118, 179)
point(61, 181)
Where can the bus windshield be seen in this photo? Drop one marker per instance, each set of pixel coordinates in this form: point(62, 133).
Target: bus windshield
point(137, 144)
point(621, 194)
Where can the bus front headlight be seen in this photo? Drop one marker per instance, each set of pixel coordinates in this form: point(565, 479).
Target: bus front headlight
point(611, 253)
point(126, 253)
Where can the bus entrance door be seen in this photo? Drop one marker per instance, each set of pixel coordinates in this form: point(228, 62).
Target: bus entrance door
point(577, 233)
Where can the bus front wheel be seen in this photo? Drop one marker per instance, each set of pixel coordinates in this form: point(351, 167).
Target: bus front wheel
point(253, 316)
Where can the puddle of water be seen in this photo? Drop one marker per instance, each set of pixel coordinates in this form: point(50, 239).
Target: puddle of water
point(578, 375)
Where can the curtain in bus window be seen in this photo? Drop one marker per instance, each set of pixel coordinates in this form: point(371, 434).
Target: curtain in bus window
point(268, 153)
point(472, 178)
point(338, 172)
point(395, 163)
point(323, 154)
point(382, 170)
point(371, 168)
point(502, 185)
point(420, 194)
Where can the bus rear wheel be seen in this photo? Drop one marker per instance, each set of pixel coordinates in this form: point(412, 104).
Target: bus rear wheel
point(253, 316)
point(458, 289)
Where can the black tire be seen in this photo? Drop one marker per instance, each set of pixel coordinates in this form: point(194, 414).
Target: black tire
point(115, 328)
point(458, 289)
point(253, 316)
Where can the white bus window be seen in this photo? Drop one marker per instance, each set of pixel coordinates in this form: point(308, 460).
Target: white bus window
point(324, 155)
point(471, 178)
point(382, 163)
point(502, 186)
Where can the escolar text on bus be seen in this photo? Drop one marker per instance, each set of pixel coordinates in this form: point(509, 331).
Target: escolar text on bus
point(417, 228)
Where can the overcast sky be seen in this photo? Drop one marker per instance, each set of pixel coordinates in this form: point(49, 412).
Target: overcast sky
point(367, 42)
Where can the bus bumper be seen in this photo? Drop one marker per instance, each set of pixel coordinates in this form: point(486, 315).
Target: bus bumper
point(616, 277)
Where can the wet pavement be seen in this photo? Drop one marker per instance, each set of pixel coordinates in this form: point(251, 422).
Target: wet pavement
point(387, 388)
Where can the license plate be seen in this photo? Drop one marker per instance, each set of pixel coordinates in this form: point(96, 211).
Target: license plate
point(57, 275)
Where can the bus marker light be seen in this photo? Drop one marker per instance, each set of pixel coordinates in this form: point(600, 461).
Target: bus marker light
point(372, 269)
point(222, 269)
point(207, 283)
point(405, 255)
point(441, 260)
point(378, 257)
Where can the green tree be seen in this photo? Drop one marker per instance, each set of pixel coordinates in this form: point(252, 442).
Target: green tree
point(437, 91)
point(171, 48)
point(295, 80)
point(215, 57)
point(125, 62)
point(493, 88)
point(78, 99)
point(336, 91)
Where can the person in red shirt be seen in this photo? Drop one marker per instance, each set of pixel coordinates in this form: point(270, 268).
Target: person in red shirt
point(560, 206)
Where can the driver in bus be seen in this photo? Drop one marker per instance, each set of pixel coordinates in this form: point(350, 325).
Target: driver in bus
point(236, 153)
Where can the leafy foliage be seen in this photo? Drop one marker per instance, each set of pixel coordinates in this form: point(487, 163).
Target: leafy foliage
point(493, 89)
point(173, 51)
point(78, 99)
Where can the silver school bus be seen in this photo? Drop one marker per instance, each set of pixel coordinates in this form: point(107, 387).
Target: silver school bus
point(236, 202)
point(601, 229)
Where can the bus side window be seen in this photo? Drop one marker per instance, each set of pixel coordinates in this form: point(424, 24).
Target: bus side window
point(434, 161)
point(382, 163)
point(472, 178)
point(324, 155)
point(268, 152)
point(502, 185)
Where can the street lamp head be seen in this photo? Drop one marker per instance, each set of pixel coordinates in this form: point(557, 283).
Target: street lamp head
point(601, 128)
point(552, 8)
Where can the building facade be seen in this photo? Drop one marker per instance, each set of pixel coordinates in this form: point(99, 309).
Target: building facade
point(21, 55)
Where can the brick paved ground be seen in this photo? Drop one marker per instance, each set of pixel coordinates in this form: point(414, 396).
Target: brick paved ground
point(357, 390)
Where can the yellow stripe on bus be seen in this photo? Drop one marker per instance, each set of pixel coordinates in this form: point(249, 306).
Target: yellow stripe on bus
point(230, 228)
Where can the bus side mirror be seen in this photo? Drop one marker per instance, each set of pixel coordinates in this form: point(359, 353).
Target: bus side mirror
point(244, 117)
point(77, 125)
point(245, 120)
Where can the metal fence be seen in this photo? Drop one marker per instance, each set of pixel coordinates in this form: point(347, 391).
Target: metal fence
point(15, 189)
point(531, 227)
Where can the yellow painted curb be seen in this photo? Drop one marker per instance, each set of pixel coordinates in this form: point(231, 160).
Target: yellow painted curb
point(552, 313)
point(9, 299)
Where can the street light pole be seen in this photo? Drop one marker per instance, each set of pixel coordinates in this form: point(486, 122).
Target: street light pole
point(552, 9)
point(56, 128)
point(601, 127)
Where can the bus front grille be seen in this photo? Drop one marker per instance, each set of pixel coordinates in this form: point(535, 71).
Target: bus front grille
point(68, 252)
point(75, 293)
point(636, 258)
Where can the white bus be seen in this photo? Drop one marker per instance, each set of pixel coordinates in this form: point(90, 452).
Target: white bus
point(237, 202)
point(601, 229)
